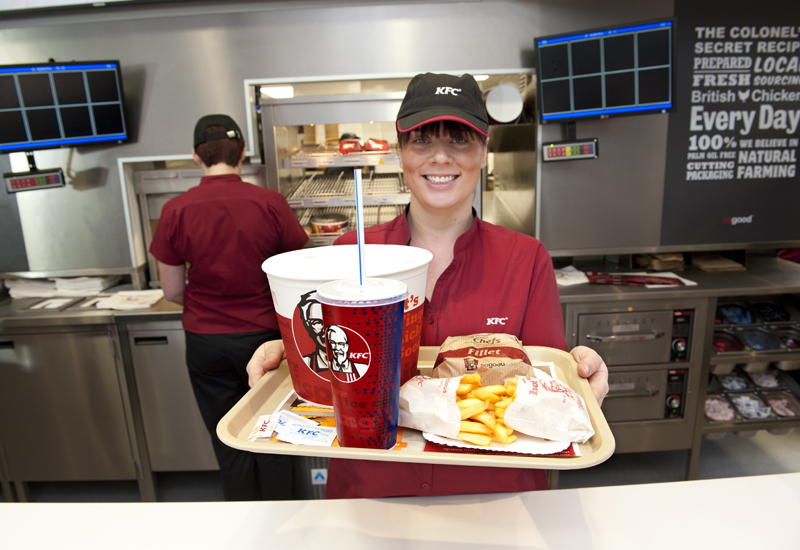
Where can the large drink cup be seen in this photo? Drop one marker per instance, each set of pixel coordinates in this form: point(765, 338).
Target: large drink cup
point(364, 332)
point(294, 278)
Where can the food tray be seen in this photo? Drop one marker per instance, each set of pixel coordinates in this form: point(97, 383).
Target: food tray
point(266, 396)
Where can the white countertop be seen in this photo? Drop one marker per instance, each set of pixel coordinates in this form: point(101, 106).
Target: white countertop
point(748, 512)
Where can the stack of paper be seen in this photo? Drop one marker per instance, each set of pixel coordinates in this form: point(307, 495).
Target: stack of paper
point(131, 299)
point(570, 275)
point(92, 285)
point(50, 288)
point(30, 288)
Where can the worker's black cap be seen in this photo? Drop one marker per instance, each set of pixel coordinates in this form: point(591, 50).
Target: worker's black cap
point(232, 129)
point(431, 97)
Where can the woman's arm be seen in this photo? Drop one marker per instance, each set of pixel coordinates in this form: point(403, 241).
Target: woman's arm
point(173, 281)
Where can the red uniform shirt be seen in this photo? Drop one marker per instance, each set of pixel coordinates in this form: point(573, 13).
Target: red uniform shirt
point(499, 281)
point(224, 229)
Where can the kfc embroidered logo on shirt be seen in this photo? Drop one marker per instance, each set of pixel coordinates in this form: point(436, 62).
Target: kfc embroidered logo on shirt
point(496, 320)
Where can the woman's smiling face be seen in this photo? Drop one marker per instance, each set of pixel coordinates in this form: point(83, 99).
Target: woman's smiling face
point(442, 171)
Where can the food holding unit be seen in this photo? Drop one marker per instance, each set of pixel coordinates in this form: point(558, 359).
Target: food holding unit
point(311, 134)
point(308, 163)
point(654, 351)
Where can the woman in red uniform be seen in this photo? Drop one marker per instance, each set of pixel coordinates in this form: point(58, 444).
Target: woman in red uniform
point(483, 278)
point(223, 229)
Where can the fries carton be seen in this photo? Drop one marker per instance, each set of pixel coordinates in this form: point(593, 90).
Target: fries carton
point(549, 409)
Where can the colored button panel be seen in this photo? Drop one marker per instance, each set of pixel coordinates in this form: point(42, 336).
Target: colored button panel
point(580, 150)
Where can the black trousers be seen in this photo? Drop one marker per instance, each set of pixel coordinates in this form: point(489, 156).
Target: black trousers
point(217, 368)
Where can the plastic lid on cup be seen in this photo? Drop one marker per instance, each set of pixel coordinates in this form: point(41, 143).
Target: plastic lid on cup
point(374, 292)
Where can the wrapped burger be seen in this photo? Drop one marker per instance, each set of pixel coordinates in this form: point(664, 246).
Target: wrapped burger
point(496, 357)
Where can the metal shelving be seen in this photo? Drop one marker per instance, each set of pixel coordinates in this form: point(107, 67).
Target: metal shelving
point(319, 190)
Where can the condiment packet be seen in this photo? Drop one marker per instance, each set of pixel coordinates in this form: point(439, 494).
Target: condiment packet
point(429, 405)
point(549, 409)
point(293, 428)
point(265, 426)
point(307, 435)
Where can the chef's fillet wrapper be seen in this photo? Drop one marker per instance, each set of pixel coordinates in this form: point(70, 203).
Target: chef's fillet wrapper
point(429, 405)
point(495, 356)
point(549, 409)
point(364, 331)
point(294, 278)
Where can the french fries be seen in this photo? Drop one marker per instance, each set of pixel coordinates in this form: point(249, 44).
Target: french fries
point(482, 411)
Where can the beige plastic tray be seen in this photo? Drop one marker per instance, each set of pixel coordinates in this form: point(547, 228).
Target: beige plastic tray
point(266, 396)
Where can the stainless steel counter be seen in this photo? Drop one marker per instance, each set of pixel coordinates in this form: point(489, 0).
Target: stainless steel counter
point(16, 314)
point(764, 276)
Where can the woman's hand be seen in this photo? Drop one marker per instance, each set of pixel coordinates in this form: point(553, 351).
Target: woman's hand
point(267, 357)
point(592, 366)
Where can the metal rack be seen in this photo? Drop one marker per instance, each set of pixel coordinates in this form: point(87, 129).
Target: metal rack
point(319, 190)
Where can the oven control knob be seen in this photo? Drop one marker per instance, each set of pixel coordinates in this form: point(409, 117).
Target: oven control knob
point(679, 345)
point(674, 401)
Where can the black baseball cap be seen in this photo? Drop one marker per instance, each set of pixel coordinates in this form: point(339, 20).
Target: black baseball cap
point(431, 97)
point(232, 129)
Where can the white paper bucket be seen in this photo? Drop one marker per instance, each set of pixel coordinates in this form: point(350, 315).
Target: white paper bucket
point(294, 278)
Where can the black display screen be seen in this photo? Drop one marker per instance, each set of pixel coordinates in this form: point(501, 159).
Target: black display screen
point(624, 70)
point(56, 105)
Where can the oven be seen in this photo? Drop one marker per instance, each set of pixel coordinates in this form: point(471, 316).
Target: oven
point(654, 354)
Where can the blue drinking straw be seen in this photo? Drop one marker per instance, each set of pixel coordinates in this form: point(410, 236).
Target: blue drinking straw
point(362, 268)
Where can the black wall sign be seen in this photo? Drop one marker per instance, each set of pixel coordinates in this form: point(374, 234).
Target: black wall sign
point(734, 137)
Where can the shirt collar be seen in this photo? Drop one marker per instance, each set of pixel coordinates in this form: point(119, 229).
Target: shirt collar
point(221, 178)
point(462, 243)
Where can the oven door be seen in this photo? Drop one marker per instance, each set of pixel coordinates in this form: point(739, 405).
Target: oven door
point(637, 395)
point(630, 338)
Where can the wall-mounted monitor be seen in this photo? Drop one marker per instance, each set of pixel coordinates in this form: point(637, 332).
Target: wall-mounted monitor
point(621, 70)
point(50, 105)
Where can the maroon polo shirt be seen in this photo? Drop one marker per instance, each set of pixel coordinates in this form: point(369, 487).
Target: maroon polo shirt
point(224, 229)
point(499, 281)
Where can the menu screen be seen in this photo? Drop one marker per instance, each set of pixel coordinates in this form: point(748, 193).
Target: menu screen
point(43, 106)
point(615, 71)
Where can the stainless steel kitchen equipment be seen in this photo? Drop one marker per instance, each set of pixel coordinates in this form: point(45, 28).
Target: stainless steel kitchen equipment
point(63, 409)
point(311, 172)
point(175, 435)
point(300, 148)
point(654, 353)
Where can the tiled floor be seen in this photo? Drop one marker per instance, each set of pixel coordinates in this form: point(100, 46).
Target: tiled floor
point(731, 456)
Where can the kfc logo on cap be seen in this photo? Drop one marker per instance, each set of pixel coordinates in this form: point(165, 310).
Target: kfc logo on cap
point(447, 90)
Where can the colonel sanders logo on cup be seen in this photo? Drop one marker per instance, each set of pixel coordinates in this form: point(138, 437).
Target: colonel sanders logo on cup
point(350, 355)
point(350, 351)
point(310, 334)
